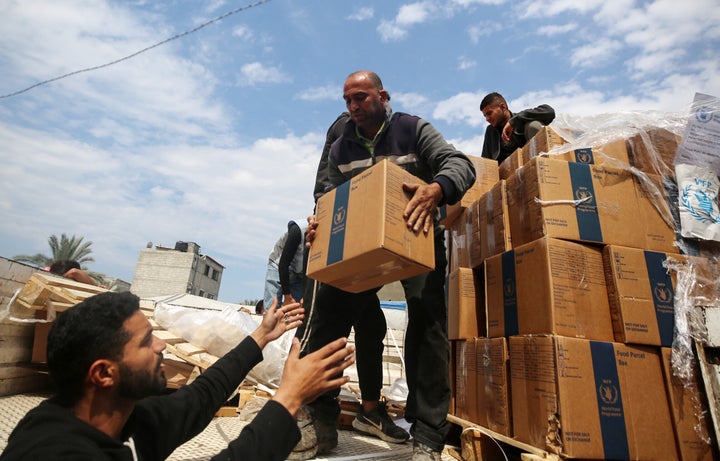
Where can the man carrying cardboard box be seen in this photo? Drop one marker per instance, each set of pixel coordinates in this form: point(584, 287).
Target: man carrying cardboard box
point(374, 133)
point(507, 131)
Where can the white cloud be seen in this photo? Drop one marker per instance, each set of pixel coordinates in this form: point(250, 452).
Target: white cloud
point(321, 93)
point(413, 13)
point(595, 54)
point(557, 29)
point(469, 3)
point(465, 63)
point(534, 8)
point(390, 31)
point(486, 29)
point(407, 16)
point(257, 72)
point(462, 107)
point(362, 14)
point(242, 32)
point(413, 103)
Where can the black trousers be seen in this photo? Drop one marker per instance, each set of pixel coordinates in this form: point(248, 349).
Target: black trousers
point(332, 312)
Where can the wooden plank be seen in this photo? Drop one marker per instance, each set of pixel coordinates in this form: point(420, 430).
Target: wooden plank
point(203, 360)
point(189, 349)
point(481, 443)
point(22, 379)
point(169, 338)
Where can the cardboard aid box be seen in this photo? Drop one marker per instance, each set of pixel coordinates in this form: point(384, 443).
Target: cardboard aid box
point(486, 176)
point(590, 399)
point(641, 290)
point(652, 150)
point(460, 381)
point(548, 286)
point(362, 239)
point(656, 213)
point(466, 309)
point(574, 201)
point(493, 385)
point(458, 241)
point(689, 410)
point(545, 140)
point(488, 225)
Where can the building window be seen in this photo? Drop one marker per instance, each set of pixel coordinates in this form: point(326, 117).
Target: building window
point(201, 293)
point(215, 275)
point(207, 271)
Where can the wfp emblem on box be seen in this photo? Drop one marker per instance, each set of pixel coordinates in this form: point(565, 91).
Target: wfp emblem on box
point(584, 195)
point(584, 155)
point(338, 220)
point(663, 294)
point(509, 287)
point(608, 392)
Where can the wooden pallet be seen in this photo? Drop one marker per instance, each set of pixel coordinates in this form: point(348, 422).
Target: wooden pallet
point(481, 444)
point(46, 291)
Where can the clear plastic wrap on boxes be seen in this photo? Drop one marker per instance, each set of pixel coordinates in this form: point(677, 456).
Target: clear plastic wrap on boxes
point(219, 331)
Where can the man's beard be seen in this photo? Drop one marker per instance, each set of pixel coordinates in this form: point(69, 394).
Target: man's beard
point(140, 384)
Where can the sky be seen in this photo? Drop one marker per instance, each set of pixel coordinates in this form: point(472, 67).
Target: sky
point(211, 129)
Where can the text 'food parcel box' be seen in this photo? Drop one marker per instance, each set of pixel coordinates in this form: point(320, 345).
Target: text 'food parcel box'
point(574, 201)
point(362, 239)
point(590, 399)
point(548, 286)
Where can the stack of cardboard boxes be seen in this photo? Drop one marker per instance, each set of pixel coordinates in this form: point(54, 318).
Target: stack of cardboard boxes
point(561, 308)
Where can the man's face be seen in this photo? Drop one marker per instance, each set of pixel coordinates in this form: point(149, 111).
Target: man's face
point(365, 103)
point(141, 370)
point(495, 115)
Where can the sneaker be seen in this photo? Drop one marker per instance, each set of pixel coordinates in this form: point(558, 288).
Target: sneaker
point(378, 423)
point(307, 447)
point(422, 452)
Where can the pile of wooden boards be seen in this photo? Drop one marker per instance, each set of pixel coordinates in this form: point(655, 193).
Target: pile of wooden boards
point(45, 291)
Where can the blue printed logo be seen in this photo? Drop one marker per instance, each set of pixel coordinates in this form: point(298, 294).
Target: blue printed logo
point(704, 114)
point(339, 216)
point(608, 393)
point(663, 294)
point(509, 288)
point(701, 205)
point(584, 195)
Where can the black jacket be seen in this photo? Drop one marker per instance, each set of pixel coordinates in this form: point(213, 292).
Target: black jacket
point(160, 424)
point(493, 145)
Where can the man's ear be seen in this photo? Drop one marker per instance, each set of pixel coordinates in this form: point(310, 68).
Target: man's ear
point(384, 95)
point(103, 373)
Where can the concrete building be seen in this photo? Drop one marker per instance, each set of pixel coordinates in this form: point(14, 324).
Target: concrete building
point(168, 271)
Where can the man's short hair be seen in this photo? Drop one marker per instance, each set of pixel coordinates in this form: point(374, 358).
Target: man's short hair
point(492, 98)
point(61, 267)
point(88, 331)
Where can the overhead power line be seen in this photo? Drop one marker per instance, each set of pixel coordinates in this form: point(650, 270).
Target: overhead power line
point(130, 56)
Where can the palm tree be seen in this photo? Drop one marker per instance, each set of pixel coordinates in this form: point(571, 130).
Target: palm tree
point(73, 249)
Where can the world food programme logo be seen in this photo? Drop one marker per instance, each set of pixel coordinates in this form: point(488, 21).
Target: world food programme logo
point(509, 287)
point(701, 205)
point(339, 216)
point(663, 294)
point(584, 195)
point(584, 156)
point(704, 114)
point(608, 393)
